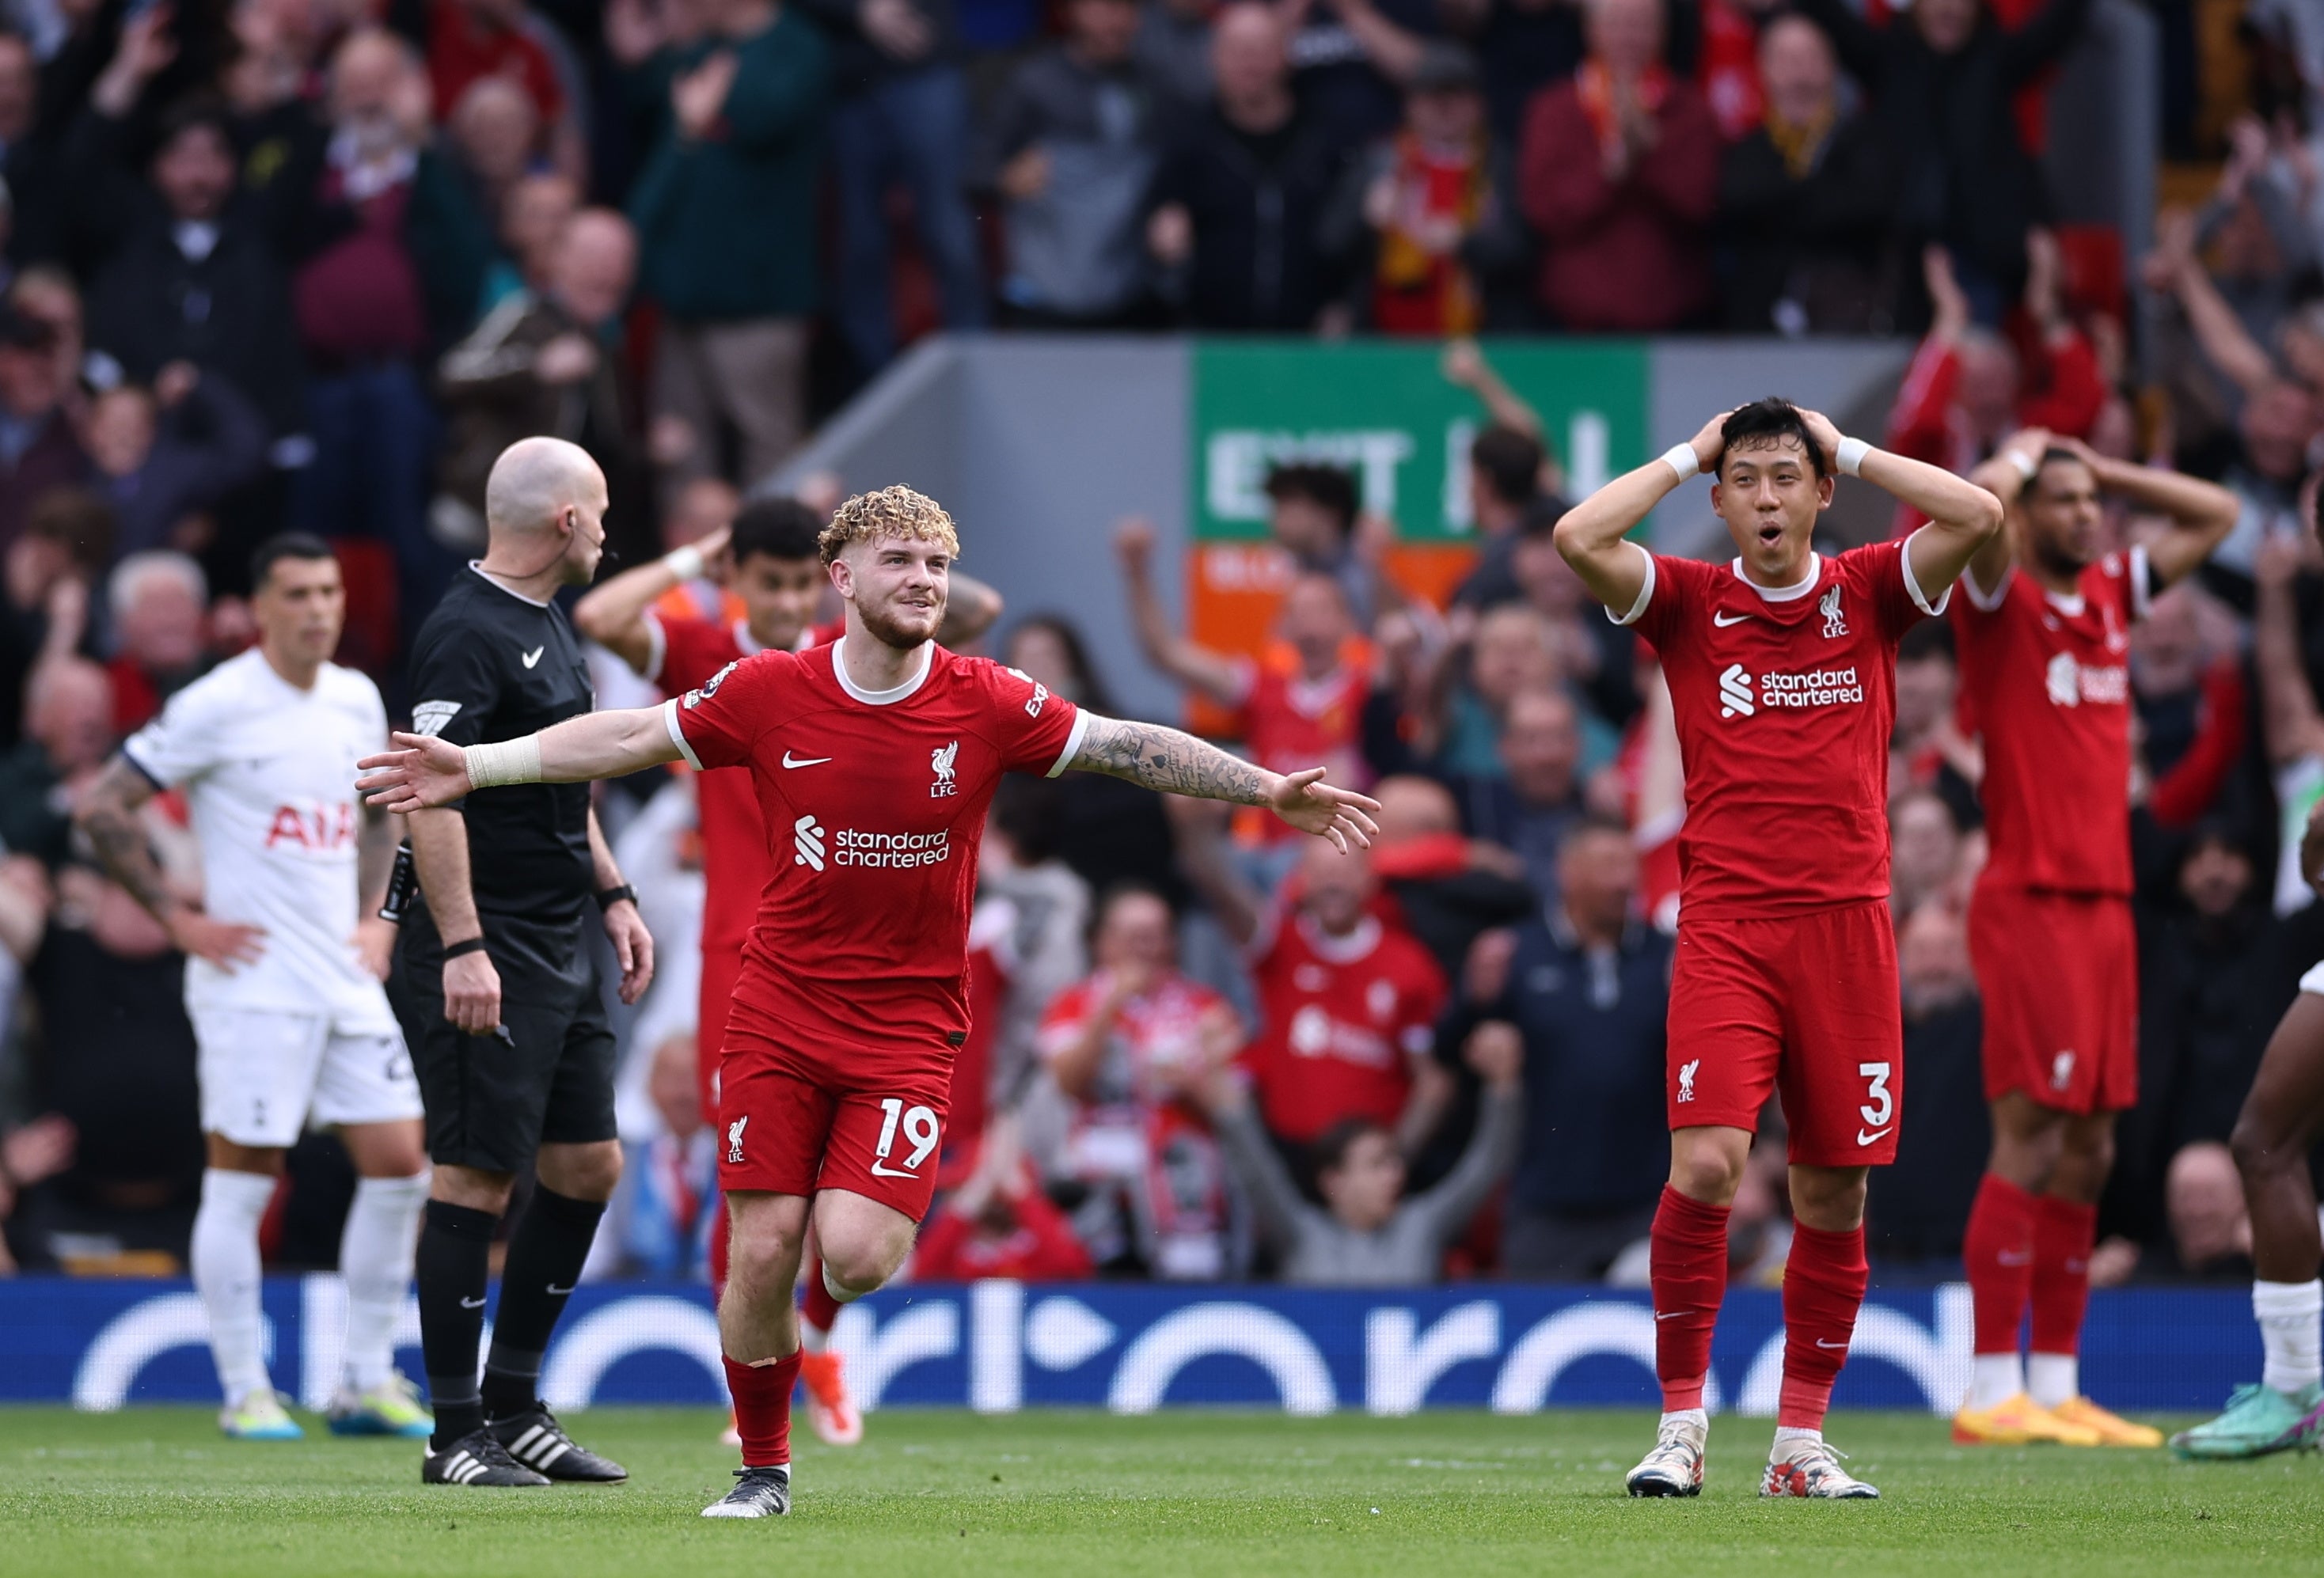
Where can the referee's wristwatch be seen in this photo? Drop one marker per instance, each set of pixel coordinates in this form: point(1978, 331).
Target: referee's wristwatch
point(607, 898)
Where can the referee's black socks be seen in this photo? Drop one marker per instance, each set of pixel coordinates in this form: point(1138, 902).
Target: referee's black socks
point(545, 1255)
point(454, 1259)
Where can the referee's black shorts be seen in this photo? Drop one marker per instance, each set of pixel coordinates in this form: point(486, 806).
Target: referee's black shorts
point(546, 1078)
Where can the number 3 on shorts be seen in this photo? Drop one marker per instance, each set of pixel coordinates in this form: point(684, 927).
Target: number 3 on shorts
point(921, 1131)
point(1875, 1111)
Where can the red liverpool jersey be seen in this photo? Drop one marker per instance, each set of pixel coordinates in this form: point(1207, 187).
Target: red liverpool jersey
point(2047, 679)
point(735, 864)
point(1346, 1015)
point(1785, 701)
point(874, 804)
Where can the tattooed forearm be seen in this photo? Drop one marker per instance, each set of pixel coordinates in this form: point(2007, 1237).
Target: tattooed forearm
point(108, 815)
point(1166, 759)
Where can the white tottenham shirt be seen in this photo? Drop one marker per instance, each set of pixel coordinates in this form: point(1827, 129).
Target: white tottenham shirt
point(269, 773)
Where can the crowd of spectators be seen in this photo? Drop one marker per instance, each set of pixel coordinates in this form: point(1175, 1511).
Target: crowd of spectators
point(313, 263)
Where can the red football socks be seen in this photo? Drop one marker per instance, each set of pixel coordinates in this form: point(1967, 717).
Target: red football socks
point(1824, 1288)
point(2063, 1234)
point(1688, 1271)
point(1998, 1252)
point(762, 1410)
point(818, 1308)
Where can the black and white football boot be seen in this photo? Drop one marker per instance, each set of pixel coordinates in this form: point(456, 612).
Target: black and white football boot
point(535, 1439)
point(758, 1492)
point(475, 1459)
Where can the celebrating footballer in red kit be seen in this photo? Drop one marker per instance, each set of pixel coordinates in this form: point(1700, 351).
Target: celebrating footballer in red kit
point(2043, 627)
point(1781, 672)
point(874, 759)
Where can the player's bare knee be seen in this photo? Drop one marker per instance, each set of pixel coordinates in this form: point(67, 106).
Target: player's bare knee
point(582, 1173)
point(2260, 1150)
point(852, 1269)
point(471, 1187)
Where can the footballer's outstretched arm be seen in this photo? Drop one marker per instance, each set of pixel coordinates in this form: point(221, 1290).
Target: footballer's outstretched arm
point(1594, 535)
point(1962, 516)
point(1165, 759)
point(423, 771)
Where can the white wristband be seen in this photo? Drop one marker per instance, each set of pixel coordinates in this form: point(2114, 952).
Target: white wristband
point(1681, 458)
point(507, 761)
point(684, 562)
point(2026, 465)
point(1851, 455)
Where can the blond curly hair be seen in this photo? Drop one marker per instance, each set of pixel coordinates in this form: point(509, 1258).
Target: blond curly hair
point(898, 512)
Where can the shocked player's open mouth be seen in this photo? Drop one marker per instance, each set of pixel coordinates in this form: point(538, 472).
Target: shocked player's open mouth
point(1769, 536)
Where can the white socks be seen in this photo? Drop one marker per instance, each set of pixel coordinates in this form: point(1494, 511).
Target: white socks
point(811, 1339)
point(375, 1260)
point(2289, 1314)
point(1994, 1379)
point(1697, 1420)
point(1787, 1439)
point(2051, 1378)
point(225, 1254)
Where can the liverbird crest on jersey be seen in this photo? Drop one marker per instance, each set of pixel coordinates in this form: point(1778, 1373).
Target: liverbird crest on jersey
point(1686, 1079)
point(734, 1140)
point(941, 761)
point(1835, 625)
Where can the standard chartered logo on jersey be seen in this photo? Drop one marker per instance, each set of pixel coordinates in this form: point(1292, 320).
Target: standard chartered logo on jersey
point(1740, 694)
point(814, 846)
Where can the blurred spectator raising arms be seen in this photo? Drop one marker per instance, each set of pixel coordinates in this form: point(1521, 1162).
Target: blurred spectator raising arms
point(1968, 388)
point(38, 449)
point(1619, 172)
point(1349, 997)
point(1369, 1234)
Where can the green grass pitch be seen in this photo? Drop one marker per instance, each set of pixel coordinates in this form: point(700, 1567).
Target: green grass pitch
point(159, 1491)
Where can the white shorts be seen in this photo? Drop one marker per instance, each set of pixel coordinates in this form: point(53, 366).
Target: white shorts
point(265, 1075)
point(2313, 981)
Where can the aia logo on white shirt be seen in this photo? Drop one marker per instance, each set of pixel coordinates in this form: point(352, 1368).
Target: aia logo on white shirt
point(317, 829)
point(940, 761)
point(1735, 692)
point(1835, 625)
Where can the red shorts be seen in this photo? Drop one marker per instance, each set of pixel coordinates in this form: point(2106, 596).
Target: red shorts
point(796, 1117)
point(1806, 1005)
point(2059, 977)
point(720, 969)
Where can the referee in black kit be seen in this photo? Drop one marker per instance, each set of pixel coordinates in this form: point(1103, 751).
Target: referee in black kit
point(496, 985)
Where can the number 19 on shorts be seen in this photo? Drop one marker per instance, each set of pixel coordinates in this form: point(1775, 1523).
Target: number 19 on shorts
point(919, 1129)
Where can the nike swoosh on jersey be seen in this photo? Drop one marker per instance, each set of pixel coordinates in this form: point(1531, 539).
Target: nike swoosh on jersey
point(1822, 1342)
point(1863, 1139)
point(879, 1170)
point(533, 656)
point(791, 761)
point(472, 1304)
point(1722, 621)
point(556, 1293)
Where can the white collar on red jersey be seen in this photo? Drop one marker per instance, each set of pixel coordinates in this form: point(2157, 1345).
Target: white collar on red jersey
point(889, 697)
point(1792, 593)
point(1357, 944)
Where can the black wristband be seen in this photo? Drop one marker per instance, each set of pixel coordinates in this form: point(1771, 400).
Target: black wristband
point(608, 897)
point(452, 950)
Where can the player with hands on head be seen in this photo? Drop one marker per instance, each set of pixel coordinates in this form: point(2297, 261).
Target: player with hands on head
point(2043, 632)
point(875, 758)
point(1781, 665)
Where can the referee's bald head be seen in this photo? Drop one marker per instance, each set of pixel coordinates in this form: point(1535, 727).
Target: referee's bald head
point(540, 491)
point(534, 482)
